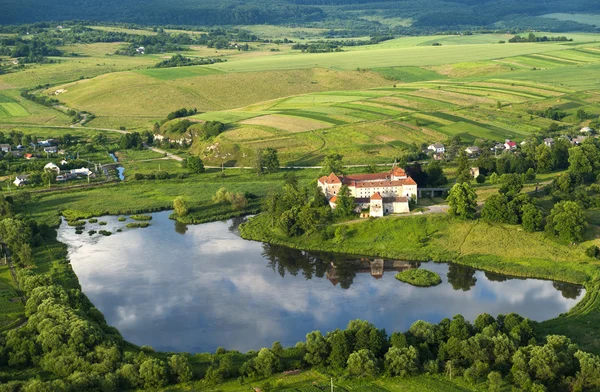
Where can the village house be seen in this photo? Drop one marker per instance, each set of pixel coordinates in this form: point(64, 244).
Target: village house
point(51, 150)
point(549, 141)
point(437, 148)
point(380, 193)
point(510, 145)
point(21, 180)
point(52, 167)
point(474, 172)
point(472, 150)
point(587, 130)
point(5, 147)
point(578, 140)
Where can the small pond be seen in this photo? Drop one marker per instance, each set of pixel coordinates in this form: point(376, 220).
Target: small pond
point(120, 169)
point(194, 288)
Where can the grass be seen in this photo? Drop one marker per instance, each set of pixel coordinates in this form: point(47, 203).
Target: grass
point(419, 277)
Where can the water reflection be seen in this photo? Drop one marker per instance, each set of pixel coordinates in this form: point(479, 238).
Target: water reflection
point(209, 288)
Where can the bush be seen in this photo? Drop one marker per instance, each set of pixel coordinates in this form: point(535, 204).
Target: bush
point(141, 217)
point(93, 220)
point(138, 176)
point(593, 251)
point(135, 225)
point(180, 206)
point(92, 232)
point(105, 233)
point(79, 223)
point(419, 277)
point(102, 223)
point(480, 179)
point(122, 219)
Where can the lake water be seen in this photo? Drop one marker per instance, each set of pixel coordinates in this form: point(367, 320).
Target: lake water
point(194, 288)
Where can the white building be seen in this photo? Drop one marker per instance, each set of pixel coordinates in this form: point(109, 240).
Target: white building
point(52, 167)
point(21, 180)
point(84, 171)
point(381, 193)
point(437, 148)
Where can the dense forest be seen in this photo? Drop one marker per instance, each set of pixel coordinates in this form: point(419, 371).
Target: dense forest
point(427, 15)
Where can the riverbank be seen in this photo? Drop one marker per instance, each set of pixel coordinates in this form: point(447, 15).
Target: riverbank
point(496, 248)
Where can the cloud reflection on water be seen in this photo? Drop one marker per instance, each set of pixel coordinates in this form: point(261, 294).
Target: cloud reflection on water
point(209, 288)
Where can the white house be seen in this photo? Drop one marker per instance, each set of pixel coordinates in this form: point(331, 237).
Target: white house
point(52, 167)
point(51, 150)
point(84, 171)
point(141, 50)
point(586, 130)
point(21, 180)
point(549, 141)
point(437, 148)
point(5, 147)
point(381, 193)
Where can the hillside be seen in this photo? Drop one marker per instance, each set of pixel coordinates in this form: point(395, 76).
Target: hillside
point(366, 15)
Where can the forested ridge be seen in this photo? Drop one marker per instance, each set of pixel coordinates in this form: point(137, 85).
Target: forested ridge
point(427, 14)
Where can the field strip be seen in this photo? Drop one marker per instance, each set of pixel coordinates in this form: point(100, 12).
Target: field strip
point(287, 123)
point(387, 57)
point(512, 63)
point(501, 91)
point(556, 59)
point(525, 83)
point(14, 109)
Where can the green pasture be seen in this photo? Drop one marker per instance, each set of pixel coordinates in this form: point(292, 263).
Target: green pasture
point(386, 57)
point(179, 72)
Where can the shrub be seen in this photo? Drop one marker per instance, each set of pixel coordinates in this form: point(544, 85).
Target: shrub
point(141, 217)
point(138, 176)
point(92, 232)
point(135, 225)
point(102, 223)
point(480, 179)
point(105, 233)
point(419, 277)
point(93, 220)
point(180, 206)
point(77, 223)
point(122, 219)
point(593, 251)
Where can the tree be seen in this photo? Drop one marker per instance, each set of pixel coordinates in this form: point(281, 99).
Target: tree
point(582, 115)
point(494, 178)
point(195, 165)
point(567, 221)
point(462, 200)
point(332, 164)
point(402, 361)
point(345, 202)
point(180, 206)
point(153, 373)
point(270, 160)
point(497, 208)
point(362, 363)
point(317, 349)
point(340, 343)
point(463, 172)
point(266, 362)
point(435, 174)
point(532, 218)
point(510, 184)
point(179, 368)
point(543, 158)
point(480, 179)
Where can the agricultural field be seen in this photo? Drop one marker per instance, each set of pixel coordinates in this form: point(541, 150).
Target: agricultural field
point(374, 126)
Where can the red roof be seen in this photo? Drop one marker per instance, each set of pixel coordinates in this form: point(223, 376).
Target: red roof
point(511, 144)
point(398, 171)
point(376, 196)
point(333, 199)
point(27, 156)
point(330, 179)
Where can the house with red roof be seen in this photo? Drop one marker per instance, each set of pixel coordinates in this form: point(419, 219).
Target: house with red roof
point(380, 193)
point(510, 145)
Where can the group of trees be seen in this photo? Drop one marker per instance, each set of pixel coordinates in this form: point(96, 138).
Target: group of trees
point(533, 38)
point(180, 61)
point(135, 140)
point(296, 210)
point(267, 161)
point(238, 201)
point(497, 352)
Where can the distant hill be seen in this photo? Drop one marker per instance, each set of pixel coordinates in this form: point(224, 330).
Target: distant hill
point(426, 15)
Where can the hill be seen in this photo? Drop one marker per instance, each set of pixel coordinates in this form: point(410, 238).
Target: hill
point(367, 15)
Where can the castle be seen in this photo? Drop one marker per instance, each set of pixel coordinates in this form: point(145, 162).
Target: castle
point(380, 193)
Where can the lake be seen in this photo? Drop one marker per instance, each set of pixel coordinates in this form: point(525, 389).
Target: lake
point(194, 288)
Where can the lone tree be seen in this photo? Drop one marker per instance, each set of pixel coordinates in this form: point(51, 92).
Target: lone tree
point(462, 201)
point(566, 220)
point(180, 206)
point(195, 165)
point(267, 161)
